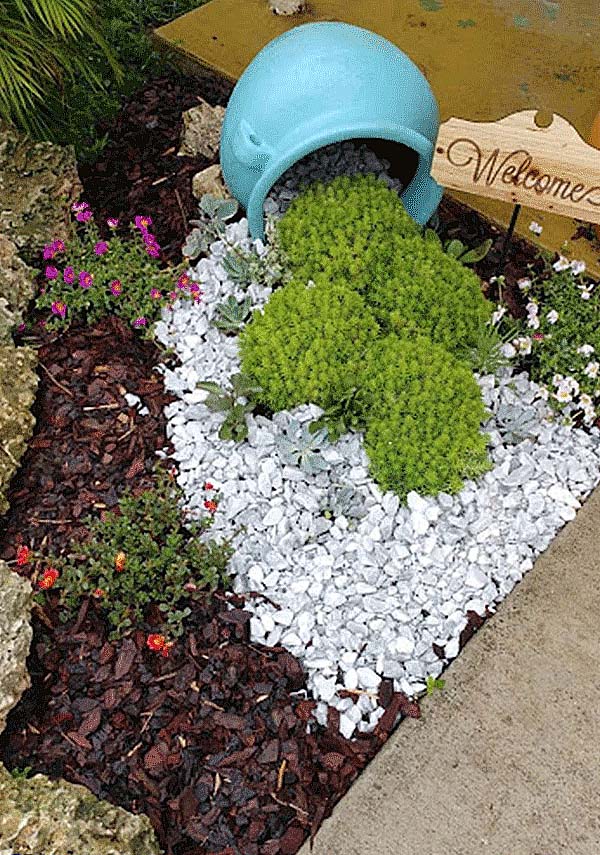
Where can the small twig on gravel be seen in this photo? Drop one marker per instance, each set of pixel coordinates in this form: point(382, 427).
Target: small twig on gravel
point(280, 774)
point(134, 749)
point(255, 594)
point(60, 385)
point(289, 804)
point(50, 522)
point(361, 692)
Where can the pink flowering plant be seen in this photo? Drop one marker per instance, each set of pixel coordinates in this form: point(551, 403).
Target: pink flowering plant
point(88, 277)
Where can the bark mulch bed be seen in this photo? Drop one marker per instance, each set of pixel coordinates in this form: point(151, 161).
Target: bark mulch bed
point(211, 743)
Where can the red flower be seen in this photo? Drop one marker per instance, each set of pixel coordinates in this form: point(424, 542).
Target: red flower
point(208, 486)
point(98, 593)
point(166, 647)
point(22, 555)
point(210, 506)
point(155, 642)
point(49, 578)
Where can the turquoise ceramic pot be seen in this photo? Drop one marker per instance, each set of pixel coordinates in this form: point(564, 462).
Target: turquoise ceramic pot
point(318, 84)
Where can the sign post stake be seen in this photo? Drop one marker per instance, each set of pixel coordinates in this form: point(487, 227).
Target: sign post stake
point(508, 238)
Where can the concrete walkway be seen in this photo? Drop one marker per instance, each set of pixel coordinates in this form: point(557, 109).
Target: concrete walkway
point(505, 760)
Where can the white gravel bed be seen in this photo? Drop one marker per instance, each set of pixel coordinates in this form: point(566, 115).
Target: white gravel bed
point(367, 592)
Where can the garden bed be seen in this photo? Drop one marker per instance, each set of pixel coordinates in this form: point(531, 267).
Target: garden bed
point(218, 743)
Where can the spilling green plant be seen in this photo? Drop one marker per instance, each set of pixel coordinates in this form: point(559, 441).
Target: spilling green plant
point(424, 418)
point(330, 227)
point(145, 555)
point(308, 343)
point(236, 404)
point(88, 278)
point(560, 338)
point(380, 330)
point(66, 64)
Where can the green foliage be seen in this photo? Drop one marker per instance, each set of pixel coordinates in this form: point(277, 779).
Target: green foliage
point(330, 227)
point(576, 302)
point(163, 553)
point(42, 43)
point(214, 214)
point(21, 774)
point(457, 249)
point(235, 426)
point(298, 446)
point(485, 356)
point(424, 418)
point(125, 261)
point(231, 315)
point(342, 416)
point(307, 344)
point(433, 683)
point(71, 106)
point(422, 290)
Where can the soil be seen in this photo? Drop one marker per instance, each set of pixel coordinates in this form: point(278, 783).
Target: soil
point(211, 743)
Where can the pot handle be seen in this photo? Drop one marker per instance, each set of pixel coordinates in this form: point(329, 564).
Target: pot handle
point(248, 148)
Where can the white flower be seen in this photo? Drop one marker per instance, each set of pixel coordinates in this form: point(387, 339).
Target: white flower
point(533, 322)
point(552, 316)
point(563, 395)
point(498, 314)
point(585, 349)
point(524, 284)
point(532, 308)
point(585, 401)
point(543, 393)
point(577, 267)
point(508, 350)
point(535, 228)
point(585, 295)
point(562, 264)
point(589, 415)
point(523, 344)
point(572, 385)
point(558, 378)
point(591, 369)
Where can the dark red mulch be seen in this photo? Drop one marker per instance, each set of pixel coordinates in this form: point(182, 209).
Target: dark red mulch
point(129, 177)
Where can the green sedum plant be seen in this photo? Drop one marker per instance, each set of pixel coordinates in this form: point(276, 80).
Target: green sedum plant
point(422, 290)
point(163, 561)
point(423, 428)
point(307, 343)
point(330, 227)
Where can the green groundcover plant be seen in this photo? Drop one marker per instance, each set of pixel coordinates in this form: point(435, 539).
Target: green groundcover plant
point(381, 331)
point(145, 555)
point(307, 344)
point(560, 338)
point(330, 227)
point(88, 278)
point(424, 418)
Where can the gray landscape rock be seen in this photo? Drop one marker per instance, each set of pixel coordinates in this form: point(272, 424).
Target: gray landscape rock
point(38, 184)
point(55, 817)
point(18, 385)
point(17, 287)
point(16, 600)
point(201, 135)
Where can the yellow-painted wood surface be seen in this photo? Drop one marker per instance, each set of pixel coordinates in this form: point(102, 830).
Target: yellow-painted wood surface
point(484, 59)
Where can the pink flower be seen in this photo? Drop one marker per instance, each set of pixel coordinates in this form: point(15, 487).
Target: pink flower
point(112, 222)
point(173, 295)
point(21, 327)
point(85, 279)
point(69, 275)
point(195, 288)
point(79, 206)
point(59, 246)
point(142, 222)
point(51, 272)
point(139, 322)
point(101, 247)
point(42, 323)
point(83, 216)
point(115, 287)
point(59, 308)
point(155, 294)
point(48, 252)
point(153, 252)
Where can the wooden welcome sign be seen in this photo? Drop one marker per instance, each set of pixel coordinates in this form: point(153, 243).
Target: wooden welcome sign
point(546, 168)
